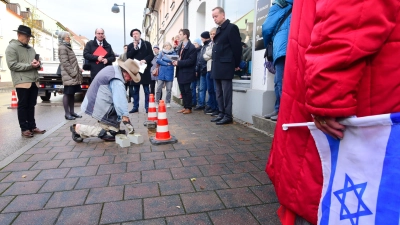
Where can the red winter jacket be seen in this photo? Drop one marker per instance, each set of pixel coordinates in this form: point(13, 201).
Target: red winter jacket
point(342, 60)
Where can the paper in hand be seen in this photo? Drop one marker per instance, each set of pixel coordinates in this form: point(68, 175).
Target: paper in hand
point(142, 66)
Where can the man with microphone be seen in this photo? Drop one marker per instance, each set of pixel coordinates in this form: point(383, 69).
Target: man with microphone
point(140, 50)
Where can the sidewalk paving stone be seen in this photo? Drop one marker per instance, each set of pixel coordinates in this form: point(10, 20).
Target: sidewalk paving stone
point(212, 175)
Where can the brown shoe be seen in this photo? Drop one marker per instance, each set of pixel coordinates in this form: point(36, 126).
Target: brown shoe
point(181, 111)
point(26, 134)
point(187, 111)
point(38, 131)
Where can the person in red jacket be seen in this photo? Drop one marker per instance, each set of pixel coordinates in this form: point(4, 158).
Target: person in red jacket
point(342, 61)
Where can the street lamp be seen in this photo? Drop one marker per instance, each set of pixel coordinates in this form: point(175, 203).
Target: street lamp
point(115, 9)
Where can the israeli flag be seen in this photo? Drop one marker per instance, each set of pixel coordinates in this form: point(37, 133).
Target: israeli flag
point(361, 172)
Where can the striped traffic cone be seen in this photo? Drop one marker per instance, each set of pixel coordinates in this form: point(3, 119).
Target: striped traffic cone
point(151, 114)
point(162, 135)
point(14, 102)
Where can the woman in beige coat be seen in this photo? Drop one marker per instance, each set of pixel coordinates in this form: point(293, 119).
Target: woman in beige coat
point(71, 74)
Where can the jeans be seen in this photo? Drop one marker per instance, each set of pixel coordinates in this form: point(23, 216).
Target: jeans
point(212, 100)
point(193, 87)
point(135, 89)
point(278, 80)
point(27, 98)
point(168, 85)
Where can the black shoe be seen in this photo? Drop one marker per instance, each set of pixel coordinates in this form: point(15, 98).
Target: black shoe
point(106, 136)
point(76, 115)
point(134, 110)
point(208, 111)
point(69, 117)
point(217, 119)
point(269, 115)
point(147, 110)
point(199, 107)
point(215, 113)
point(75, 136)
point(224, 121)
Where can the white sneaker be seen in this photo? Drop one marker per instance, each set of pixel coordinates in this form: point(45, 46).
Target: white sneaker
point(168, 105)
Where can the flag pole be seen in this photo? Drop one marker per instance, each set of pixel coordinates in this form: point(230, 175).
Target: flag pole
point(286, 126)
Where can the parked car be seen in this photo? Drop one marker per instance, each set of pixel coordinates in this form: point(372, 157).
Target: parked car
point(50, 81)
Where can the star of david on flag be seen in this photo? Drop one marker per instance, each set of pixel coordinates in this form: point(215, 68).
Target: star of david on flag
point(361, 172)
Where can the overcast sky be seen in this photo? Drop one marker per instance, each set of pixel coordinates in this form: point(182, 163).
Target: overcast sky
point(84, 16)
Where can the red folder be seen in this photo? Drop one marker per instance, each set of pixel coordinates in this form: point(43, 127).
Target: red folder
point(100, 51)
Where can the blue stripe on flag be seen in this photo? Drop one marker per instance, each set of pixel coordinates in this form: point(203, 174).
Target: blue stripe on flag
point(388, 202)
point(326, 201)
point(395, 117)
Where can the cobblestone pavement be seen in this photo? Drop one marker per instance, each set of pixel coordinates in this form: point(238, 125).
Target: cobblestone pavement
point(213, 175)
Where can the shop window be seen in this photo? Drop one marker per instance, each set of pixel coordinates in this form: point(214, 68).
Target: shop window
point(243, 16)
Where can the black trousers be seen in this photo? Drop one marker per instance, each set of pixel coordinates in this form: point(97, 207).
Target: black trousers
point(27, 99)
point(223, 90)
point(186, 95)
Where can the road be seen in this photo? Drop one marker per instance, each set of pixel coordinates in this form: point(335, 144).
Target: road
point(48, 116)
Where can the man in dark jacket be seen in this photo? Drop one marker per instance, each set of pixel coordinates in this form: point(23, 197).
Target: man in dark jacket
point(185, 69)
point(140, 50)
point(227, 52)
point(201, 70)
point(98, 62)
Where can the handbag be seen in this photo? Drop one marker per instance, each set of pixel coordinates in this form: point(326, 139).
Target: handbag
point(269, 48)
point(156, 70)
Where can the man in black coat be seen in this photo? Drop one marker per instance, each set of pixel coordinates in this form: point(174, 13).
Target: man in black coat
point(141, 50)
point(186, 69)
point(227, 52)
point(98, 62)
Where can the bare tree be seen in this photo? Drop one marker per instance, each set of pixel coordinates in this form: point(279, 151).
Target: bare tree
point(32, 20)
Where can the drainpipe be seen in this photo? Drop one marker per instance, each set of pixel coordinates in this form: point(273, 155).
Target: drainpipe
point(185, 14)
point(221, 3)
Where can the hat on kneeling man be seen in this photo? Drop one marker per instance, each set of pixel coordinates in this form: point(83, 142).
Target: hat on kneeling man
point(131, 67)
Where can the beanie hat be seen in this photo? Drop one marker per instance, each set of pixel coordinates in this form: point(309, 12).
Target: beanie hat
point(205, 35)
point(156, 46)
point(135, 30)
point(198, 41)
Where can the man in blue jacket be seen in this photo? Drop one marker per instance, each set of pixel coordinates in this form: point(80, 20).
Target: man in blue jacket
point(186, 69)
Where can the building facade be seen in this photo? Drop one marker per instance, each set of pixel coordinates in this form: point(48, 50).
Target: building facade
point(253, 87)
point(12, 14)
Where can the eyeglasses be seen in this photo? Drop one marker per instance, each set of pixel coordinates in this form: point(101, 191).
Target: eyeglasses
point(99, 33)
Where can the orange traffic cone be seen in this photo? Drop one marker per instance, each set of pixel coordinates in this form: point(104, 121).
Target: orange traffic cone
point(151, 114)
point(14, 102)
point(152, 111)
point(162, 136)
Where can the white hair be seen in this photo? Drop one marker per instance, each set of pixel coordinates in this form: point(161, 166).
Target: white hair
point(62, 35)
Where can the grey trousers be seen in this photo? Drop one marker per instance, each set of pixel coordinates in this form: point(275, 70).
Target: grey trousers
point(168, 86)
point(223, 90)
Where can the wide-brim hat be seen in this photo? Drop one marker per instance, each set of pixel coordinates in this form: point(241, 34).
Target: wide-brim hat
point(131, 67)
point(25, 30)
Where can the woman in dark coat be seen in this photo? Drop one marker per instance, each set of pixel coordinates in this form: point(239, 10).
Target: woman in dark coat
point(71, 74)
